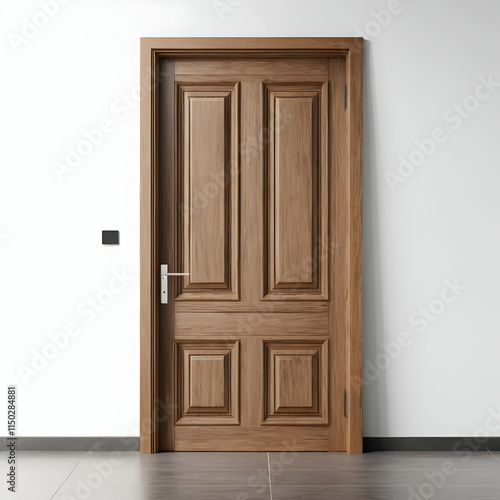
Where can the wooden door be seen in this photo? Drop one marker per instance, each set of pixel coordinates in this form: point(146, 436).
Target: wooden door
point(252, 346)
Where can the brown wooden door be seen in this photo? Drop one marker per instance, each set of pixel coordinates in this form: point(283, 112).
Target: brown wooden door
point(249, 354)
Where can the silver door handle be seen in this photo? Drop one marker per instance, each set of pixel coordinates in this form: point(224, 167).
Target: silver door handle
point(164, 282)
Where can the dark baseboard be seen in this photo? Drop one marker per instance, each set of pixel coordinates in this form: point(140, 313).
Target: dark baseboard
point(370, 444)
point(431, 444)
point(74, 443)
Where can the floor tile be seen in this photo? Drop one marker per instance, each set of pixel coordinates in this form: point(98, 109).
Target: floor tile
point(184, 460)
point(323, 477)
point(182, 477)
point(439, 479)
point(39, 473)
point(436, 460)
point(304, 475)
point(336, 461)
point(456, 464)
point(128, 455)
point(26, 491)
point(459, 455)
point(173, 493)
point(35, 477)
point(51, 455)
point(496, 454)
point(466, 493)
point(344, 493)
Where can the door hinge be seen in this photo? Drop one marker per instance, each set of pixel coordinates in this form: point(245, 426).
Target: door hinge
point(345, 97)
point(345, 402)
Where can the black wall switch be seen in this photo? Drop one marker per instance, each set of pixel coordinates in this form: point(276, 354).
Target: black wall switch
point(110, 237)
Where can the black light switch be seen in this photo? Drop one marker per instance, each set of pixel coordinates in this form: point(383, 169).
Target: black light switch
point(110, 237)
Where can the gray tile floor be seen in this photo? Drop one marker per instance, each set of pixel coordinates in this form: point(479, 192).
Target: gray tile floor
point(245, 476)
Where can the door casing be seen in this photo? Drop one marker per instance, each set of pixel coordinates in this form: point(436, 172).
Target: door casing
point(346, 211)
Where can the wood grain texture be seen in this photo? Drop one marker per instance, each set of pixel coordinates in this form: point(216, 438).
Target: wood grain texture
point(252, 323)
point(343, 289)
point(296, 180)
point(148, 325)
point(355, 337)
point(256, 67)
point(252, 231)
point(260, 306)
point(165, 229)
point(296, 382)
point(257, 438)
point(284, 47)
point(208, 387)
point(208, 156)
point(296, 200)
point(207, 381)
point(206, 140)
point(338, 255)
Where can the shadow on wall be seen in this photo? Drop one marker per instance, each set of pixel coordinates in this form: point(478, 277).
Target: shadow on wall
point(375, 392)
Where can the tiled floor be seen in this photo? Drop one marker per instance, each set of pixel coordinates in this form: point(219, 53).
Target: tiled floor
point(245, 476)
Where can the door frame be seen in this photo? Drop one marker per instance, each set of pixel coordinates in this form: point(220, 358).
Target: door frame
point(348, 240)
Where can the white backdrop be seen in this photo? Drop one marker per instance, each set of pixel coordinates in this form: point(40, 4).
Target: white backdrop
point(69, 167)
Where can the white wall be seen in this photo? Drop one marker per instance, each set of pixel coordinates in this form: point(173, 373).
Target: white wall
point(440, 224)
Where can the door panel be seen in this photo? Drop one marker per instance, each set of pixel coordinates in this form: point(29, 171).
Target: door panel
point(207, 382)
point(248, 438)
point(208, 124)
point(256, 69)
point(251, 327)
point(265, 321)
point(296, 172)
point(296, 382)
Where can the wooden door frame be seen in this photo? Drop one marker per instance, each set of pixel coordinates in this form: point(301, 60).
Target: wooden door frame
point(347, 240)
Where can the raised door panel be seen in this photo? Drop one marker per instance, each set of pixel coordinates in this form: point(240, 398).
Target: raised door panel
point(207, 221)
point(296, 192)
point(296, 382)
point(207, 382)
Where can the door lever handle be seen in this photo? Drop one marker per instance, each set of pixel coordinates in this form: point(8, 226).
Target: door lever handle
point(164, 282)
